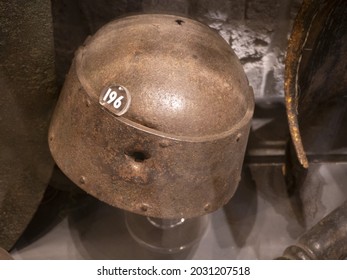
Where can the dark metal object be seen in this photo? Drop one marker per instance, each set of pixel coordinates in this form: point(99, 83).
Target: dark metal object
point(316, 77)
point(177, 149)
point(315, 88)
point(326, 241)
point(27, 83)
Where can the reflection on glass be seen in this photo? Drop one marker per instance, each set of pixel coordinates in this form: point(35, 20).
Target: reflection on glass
point(167, 236)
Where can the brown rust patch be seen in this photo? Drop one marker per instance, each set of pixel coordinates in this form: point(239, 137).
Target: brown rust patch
point(293, 57)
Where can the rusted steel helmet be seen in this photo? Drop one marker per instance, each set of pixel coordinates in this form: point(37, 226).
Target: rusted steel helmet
point(154, 117)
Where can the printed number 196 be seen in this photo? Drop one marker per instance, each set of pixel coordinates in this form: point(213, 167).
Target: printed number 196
point(111, 96)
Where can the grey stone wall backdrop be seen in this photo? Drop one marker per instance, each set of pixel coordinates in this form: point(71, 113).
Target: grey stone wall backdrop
point(257, 30)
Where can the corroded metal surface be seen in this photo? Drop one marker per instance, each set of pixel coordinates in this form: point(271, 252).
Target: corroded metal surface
point(27, 96)
point(327, 240)
point(4, 255)
point(154, 117)
point(316, 78)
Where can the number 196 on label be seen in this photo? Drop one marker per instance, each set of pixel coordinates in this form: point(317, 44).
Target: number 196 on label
point(115, 99)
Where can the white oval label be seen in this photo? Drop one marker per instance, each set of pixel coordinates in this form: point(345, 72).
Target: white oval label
point(116, 99)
